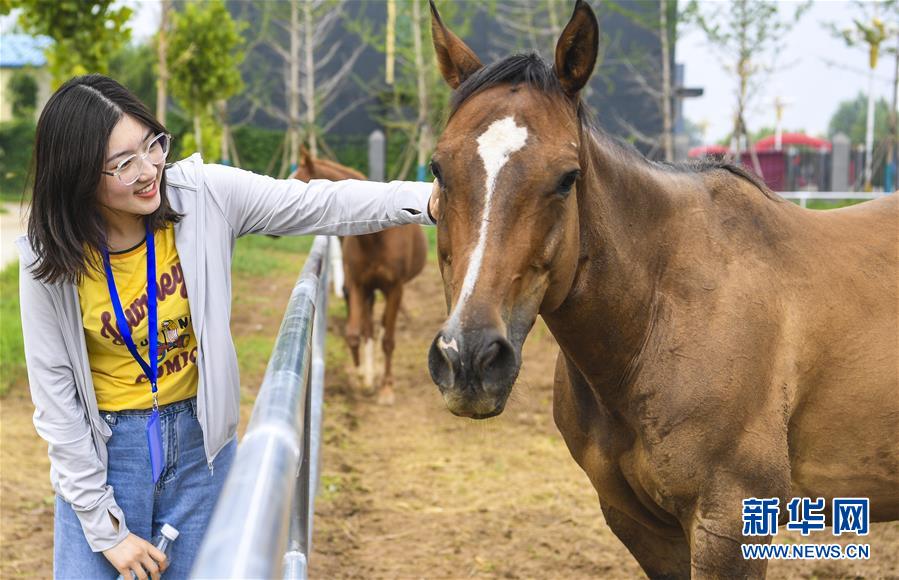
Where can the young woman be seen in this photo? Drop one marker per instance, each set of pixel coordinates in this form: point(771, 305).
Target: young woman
point(128, 260)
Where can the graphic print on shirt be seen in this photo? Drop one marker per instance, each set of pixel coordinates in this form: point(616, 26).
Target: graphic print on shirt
point(173, 332)
point(119, 382)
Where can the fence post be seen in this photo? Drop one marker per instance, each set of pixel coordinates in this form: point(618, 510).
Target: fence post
point(376, 155)
point(839, 163)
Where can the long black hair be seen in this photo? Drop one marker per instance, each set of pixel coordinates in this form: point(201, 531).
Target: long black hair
point(73, 132)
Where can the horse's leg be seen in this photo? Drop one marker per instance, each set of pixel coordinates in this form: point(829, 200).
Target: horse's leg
point(353, 331)
point(388, 342)
point(588, 429)
point(659, 556)
point(716, 526)
point(368, 368)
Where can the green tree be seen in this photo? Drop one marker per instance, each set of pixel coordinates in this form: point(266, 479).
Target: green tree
point(851, 116)
point(132, 66)
point(749, 34)
point(418, 96)
point(206, 50)
point(85, 33)
point(22, 89)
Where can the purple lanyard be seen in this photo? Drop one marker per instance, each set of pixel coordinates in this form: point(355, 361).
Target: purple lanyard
point(154, 431)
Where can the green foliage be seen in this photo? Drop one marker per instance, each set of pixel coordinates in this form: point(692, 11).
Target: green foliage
point(132, 66)
point(16, 143)
point(206, 52)
point(851, 116)
point(12, 349)
point(397, 105)
point(22, 90)
point(744, 28)
point(85, 33)
point(212, 140)
point(257, 147)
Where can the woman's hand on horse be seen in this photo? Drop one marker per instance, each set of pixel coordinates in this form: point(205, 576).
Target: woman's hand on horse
point(134, 554)
point(434, 202)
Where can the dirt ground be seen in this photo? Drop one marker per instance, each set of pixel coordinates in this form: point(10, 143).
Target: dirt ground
point(411, 491)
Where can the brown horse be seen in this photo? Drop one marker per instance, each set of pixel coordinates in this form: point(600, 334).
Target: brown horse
point(717, 342)
point(381, 261)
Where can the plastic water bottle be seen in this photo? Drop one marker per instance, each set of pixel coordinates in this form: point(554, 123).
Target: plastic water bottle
point(163, 542)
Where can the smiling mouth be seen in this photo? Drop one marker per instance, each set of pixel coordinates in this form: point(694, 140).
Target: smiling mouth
point(146, 190)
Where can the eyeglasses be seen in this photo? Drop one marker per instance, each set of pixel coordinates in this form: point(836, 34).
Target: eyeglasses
point(129, 169)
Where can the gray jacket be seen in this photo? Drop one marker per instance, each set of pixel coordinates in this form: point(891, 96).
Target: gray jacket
point(219, 205)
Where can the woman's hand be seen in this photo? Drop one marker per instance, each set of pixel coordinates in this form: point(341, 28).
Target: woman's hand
point(434, 202)
point(134, 554)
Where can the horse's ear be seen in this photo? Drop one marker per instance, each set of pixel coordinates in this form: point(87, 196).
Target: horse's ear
point(457, 61)
point(306, 159)
point(577, 48)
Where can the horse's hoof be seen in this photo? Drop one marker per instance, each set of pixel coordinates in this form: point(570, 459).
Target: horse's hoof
point(386, 397)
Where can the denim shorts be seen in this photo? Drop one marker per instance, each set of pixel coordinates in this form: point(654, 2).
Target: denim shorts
point(184, 496)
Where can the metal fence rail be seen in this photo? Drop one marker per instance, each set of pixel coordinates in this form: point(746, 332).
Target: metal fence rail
point(263, 520)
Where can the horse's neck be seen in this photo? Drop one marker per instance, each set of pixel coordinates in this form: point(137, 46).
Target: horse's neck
point(623, 205)
point(334, 171)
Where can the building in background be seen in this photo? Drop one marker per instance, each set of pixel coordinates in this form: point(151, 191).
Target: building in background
point(21, 54)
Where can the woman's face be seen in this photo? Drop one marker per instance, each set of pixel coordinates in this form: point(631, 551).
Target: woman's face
point(129, 137)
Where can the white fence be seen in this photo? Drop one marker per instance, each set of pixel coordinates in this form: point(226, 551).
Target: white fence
point(804, 196)
point(262, 524)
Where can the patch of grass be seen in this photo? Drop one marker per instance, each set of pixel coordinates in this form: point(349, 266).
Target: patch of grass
point(337, 354)
point(831, 203)
point(431, 235)
point(12, 349)
point(259, 256)
point(253, 352)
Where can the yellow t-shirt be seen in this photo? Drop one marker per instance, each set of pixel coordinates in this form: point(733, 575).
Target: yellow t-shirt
point(119, 381)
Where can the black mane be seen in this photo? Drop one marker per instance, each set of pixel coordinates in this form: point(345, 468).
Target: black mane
point(528, 69)
point(532, 71)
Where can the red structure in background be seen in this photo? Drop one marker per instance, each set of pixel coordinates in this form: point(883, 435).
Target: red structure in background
point(717, 151)
point(797, 165)
point(793, 140)
point(773, 165)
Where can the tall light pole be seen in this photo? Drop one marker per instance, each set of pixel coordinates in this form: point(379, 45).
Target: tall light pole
point(780, 104)
point(872, 34)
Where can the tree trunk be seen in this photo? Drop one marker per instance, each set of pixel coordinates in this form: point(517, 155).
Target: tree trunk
point(422, 127)
point(894, 113)
point(293, 90)
point(310, 80)
point(667, 144)
point(390, 49)
point(226, 133)
point(554, 26)
point(162, 47)
point(198, 132)
point(869, 133)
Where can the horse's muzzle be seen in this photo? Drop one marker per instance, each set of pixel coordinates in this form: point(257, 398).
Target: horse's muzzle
point(474, 370)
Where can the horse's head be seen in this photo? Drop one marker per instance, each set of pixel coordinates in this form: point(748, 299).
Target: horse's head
point(508, 164)
point(311, 168)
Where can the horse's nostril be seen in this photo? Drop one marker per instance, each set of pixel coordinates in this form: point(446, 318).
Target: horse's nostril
point(488, 355)
point(444, 362)
point(497, 361)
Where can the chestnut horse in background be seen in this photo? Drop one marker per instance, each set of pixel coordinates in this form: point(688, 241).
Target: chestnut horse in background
point(381, 261)
point(718, 343)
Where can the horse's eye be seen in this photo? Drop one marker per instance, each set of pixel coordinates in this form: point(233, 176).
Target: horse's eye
point(567, 182)
point(435, 171)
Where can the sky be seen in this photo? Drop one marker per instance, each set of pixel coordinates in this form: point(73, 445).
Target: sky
point(820, 71)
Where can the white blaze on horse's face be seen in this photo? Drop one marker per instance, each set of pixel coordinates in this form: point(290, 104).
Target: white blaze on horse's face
point(495, 145)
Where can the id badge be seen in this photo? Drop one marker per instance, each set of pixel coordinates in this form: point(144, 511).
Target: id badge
point(154, 440)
